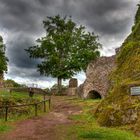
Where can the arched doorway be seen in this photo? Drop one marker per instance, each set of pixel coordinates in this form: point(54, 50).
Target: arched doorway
point(94, 95)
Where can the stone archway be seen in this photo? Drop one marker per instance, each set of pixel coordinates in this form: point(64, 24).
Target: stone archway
point(94, 95)
point(97, 77)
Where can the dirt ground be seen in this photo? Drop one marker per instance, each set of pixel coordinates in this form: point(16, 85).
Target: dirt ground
point(44, 127)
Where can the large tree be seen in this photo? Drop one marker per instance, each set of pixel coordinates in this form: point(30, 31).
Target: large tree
point(3, 58)
point(65, 49)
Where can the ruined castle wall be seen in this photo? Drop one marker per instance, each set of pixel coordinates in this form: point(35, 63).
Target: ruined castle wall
point(97, 74)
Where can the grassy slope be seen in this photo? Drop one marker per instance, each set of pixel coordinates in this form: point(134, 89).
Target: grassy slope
point(120, 108)
point(85, 126)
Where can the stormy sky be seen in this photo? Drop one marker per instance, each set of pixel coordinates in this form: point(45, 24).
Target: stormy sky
point(21, 24)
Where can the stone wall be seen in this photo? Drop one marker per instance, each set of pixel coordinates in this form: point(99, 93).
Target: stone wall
point(72, 91)
point(73, 83)
point(97, 80)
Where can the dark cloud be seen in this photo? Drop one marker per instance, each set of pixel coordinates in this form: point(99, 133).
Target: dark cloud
point(21, 21)
point(16, 51)
point(103, 17)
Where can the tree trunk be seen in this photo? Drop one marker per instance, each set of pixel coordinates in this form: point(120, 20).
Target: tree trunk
point(59, 82)
point(1, 80)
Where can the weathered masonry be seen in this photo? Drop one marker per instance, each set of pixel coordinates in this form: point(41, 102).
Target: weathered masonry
point(97, 82)
point(73, 84)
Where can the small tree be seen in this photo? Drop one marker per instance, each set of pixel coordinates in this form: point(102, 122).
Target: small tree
point(65, 50)
point(3, 58)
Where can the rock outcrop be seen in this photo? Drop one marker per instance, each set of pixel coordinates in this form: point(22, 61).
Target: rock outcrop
point(97, 82)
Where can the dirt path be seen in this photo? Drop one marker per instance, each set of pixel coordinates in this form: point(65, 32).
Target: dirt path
point(43, 128)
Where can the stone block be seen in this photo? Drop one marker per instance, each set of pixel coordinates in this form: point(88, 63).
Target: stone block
point(72, 91)
point(73, 83)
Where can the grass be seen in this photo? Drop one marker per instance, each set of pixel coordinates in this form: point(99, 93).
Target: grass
point(18, 95)
point(5, 127)
point(18, 114)
point(86, 127)
point(107, 134)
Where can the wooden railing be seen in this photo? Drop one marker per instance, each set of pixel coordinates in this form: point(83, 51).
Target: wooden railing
point(33, 104)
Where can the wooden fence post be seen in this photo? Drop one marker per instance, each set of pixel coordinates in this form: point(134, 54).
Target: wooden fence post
point(49, 103)
point(44, 96)
point(44, 106)
point(6, 113)
point(35, 109)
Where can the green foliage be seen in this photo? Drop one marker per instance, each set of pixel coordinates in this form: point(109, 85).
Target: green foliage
point(55, 86)
point(3, 58)
point(137, 17)
point(11, 83)
point(66, 48)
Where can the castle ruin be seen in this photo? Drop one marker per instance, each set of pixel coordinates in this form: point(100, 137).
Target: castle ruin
point(97, 81)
